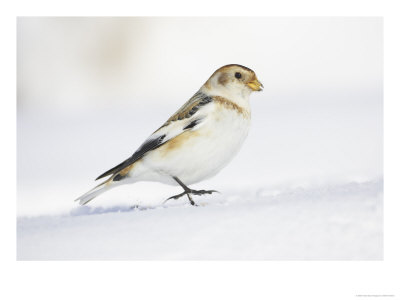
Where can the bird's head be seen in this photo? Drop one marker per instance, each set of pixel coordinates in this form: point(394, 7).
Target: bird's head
point(233, 80)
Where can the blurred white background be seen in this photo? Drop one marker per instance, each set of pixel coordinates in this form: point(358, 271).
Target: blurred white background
point(90, 90)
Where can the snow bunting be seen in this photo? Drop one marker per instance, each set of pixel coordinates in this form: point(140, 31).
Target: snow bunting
point(196, 142)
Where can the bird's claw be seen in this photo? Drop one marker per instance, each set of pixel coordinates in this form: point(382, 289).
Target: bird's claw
point(176, 196)
point(202, 192)
point(193, 192)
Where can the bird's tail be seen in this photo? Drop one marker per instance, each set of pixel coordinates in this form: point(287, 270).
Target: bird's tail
point(99, 189)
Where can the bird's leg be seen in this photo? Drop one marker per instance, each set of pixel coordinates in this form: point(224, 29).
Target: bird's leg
point(188, 191)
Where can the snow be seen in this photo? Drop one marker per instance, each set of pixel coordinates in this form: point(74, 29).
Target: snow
point(327, 223)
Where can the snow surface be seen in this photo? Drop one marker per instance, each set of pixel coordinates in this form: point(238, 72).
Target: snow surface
point(327, 223)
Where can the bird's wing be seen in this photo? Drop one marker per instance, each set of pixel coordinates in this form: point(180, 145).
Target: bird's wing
point(188, 117)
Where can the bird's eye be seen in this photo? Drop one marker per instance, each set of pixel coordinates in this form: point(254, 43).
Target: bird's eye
point(238, 75)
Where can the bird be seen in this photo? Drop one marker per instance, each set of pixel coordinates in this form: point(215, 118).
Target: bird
point(196, 142)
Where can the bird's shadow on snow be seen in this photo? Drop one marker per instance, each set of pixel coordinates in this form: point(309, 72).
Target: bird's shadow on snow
point(93, 210)
point(88, 210)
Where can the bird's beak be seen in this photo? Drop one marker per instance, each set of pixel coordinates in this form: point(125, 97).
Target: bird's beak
point(255, 85)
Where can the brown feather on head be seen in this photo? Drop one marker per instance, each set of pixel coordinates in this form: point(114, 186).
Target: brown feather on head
point(234, 74)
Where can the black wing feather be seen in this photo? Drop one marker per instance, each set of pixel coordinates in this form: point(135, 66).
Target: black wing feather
point(146, 147)
point(193, 124)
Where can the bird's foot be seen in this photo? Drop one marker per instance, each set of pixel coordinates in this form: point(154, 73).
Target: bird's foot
point(190, 192)
point(202, 192)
